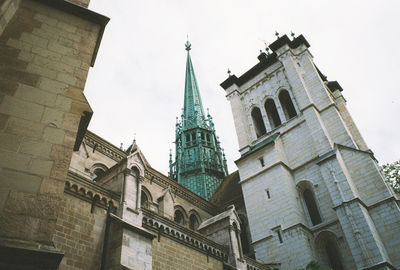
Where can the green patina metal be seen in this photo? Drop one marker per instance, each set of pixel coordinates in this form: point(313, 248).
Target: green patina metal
point(200, 163)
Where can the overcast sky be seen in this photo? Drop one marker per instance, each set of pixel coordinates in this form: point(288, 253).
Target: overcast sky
point(137, 83)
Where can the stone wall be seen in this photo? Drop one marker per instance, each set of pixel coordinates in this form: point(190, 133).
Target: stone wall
point(79, 234)
point(168, 254)
point(45, 55)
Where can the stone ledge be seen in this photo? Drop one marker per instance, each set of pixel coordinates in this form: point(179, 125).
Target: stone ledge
point(187, 237)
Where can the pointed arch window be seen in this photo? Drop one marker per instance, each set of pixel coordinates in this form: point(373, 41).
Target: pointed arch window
point(178, 217)
point(144, 200)
point(272, 113)
point(193, 222)
point(287, 104)
point(333, 255)
point(258, 122)
point(312, 207)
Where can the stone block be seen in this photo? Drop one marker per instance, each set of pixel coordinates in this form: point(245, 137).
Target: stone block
point(53, 86)
point(12, 160)
point(53, 117)
point(66, 78)
point(72, 61)
point(71, 122)
point(41, 166)
point(53, 135)
point(34, 40)
point(22, 109)
point(45, 19)
point(3, 120)
point(9, 141)
point(52, 185)
point(63, 103)
point(19, 76)
point(28, 128)
point(42, 71)
point(62, 158)
point(20, 181)
point(46, 53)
point(36, 148)
point(53, 65)
point(32, 94)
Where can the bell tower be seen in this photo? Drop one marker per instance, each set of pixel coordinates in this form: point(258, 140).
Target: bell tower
point(200, 163)
point(312, 187)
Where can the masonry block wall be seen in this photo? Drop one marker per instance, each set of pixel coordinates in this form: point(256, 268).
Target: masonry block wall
point(45, 58)
point(79, 234)
point(169, 254)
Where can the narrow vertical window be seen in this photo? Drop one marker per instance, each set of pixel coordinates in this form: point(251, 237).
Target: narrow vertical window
point(258, 122)
point(261, 159)
point(272, 113)
point(144, 201)
point(268, 193)
point(278, 232)
point(312, 207)
point(188, 138)
point(193, 222)
point(287, 105)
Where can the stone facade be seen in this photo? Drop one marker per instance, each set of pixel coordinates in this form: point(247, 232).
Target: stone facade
point(311, 186)
point(46, 48)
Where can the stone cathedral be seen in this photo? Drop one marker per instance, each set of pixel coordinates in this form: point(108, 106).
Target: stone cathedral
point(307, 187)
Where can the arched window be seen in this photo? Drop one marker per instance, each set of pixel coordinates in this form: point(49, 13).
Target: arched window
point(98, 170)
point(178, 217)
point(258, 122)
point(311, 207)
point(272, 113)
point(333, 255)
point(144, 200)
point(326, 244)
point(287, 104)
point(193, 222)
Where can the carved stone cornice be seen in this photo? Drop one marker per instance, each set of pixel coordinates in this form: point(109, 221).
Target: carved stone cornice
point(81, 188)
point(168, 228)
point(103, 146)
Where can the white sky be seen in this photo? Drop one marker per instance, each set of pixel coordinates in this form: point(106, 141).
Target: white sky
point(137, 83)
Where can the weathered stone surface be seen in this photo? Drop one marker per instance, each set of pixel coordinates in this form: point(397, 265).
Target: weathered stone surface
point(16, 180)
point(24, 127)
point(62, 158)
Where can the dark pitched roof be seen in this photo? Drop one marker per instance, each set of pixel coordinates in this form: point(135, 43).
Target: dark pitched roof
point(228, 191)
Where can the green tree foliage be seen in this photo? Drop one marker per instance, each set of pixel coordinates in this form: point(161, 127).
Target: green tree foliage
point(313, 265)
point(392, 174)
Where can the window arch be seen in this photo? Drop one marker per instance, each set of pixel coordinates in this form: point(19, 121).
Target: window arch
point(178, 217)
point(272, 113)
point(258, 122)
point(311, 205)
point(328, 250)
point(287, 104)
point(193, 222)
point(145, 198)
point(98, 170)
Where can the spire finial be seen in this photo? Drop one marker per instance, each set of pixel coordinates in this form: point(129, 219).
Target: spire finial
point(134, 139)
point(276, 34)
point(187, 44)
point(292, 34)
point(229, 72)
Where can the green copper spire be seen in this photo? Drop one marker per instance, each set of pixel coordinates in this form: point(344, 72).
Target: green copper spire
point(200, 163)
point(193, 107)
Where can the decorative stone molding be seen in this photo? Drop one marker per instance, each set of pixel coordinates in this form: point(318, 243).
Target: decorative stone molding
point(90, 192)
point(167, 228)
point(104, 147)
